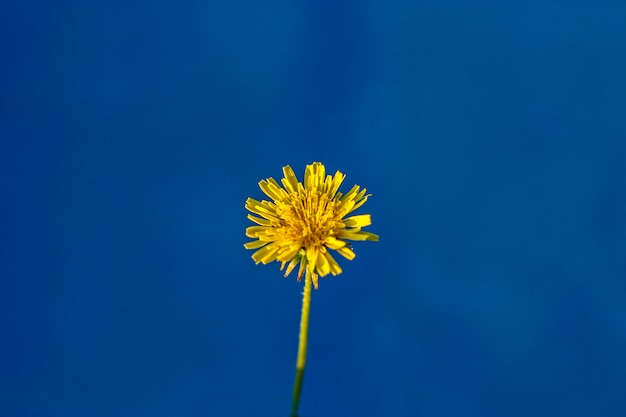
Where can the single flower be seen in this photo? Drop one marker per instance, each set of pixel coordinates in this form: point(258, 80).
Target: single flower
point(304, 221)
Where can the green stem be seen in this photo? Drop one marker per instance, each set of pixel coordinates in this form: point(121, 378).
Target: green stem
point(304, 335)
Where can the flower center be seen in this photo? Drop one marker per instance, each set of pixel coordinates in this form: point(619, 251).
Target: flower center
point(307, 218)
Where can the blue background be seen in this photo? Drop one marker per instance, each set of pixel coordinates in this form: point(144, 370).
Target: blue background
point(492, 136)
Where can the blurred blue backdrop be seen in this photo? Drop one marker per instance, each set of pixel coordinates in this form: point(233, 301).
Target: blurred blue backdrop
point(492, 136)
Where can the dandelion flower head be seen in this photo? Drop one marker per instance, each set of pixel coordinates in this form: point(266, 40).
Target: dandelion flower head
point(302, 222)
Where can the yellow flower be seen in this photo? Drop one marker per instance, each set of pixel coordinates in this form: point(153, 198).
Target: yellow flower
point(305, 220)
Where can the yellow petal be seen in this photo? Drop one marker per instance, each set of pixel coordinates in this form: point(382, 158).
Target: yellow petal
point(288, 253)
point(314, 176)
point(311, 256)
point(254, 244)
point(359, 203)
point(351, 194)
point(360, 194)
point(254, 231)
point(333, 243)
point(347, 253)
point(290, 182)
point(263, 209)
point(265, 254)
point(337, 180)
point(371, 236)
point(358, 221)
point(257, 220)
point(271, 188)
point(322, 266)
point(335, 269)
point(357, 235)
point(270, 254)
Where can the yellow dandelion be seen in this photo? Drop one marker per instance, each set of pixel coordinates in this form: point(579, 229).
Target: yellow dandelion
point(300, 224)
point(304, 221)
